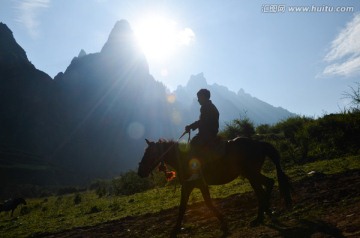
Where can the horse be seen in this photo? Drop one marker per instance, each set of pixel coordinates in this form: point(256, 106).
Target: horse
point(242, 157)
point(11, 204)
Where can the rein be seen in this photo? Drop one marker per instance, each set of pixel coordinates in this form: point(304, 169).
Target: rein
point(170, 175)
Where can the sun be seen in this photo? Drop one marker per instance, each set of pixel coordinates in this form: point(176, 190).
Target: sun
point(160, 37)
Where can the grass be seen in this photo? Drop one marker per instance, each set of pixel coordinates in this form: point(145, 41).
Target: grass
point(57, 213)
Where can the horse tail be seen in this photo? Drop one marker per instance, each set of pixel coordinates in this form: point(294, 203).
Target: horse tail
point(285, 186)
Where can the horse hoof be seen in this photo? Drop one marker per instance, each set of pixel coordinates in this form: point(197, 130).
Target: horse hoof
point(256, 222)
point(174, 232)
point(225, 229)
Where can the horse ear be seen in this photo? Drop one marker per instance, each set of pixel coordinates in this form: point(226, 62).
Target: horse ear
point(147, 141)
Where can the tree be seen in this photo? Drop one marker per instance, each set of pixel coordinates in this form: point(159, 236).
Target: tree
point(263, 129)
point(239, 127)
point(354, 96)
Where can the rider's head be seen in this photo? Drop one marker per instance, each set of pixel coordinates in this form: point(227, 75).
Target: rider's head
point(203, 95)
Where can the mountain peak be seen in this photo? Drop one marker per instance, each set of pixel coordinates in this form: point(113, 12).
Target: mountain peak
point(82, 53)
point(122, 25)
point(4, 29)
point(120, 38)
point(197, 82)
point(9, 48)
point(122, 47)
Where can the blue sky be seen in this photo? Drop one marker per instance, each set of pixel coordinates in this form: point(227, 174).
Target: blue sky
point(301, 61)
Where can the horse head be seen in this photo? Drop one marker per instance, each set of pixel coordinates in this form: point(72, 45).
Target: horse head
point(150, 159)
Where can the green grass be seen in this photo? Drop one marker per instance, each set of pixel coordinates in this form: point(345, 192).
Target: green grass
point(57, 213)
point(325, 166)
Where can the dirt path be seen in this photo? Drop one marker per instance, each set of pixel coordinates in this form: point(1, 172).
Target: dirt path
point(325, 206)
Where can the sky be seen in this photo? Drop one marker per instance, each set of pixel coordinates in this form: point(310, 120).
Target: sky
point(299, 55)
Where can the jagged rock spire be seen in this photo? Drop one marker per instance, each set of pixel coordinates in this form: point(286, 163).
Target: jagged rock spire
point(82, 53)
point(120, 38)
point(10, 50)
point(122, 46)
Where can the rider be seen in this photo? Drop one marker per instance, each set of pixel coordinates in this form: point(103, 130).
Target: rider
point(208, 125)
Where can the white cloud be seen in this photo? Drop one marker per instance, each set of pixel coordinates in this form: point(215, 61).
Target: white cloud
point(347, 68)
point(344, 54)
point(186, 36)
point(28, 13)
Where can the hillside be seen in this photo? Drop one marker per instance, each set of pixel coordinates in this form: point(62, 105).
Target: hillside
point(326, 201)
point(319, 212)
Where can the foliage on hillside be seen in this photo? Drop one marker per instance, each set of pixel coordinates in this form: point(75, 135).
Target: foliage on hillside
point(127, 184)
point(303, 139)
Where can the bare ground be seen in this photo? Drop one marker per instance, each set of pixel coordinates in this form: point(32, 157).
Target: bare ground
point(324, 206)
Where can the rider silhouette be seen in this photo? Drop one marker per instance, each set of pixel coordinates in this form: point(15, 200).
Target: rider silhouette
point(208, 126)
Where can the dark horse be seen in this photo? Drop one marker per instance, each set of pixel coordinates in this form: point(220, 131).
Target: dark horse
point(11, 204)
point(243, 157)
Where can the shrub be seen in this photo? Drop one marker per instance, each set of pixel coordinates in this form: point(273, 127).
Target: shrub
point(24, 210)
point(238, 127)
point(101, 187)
point(335, 135)
point(354, 96)
point(94, 209)
point(77, 198)
point(291, 127)
point(302, 139)
point(130, 183)
point(67, 190)
point(263, 129)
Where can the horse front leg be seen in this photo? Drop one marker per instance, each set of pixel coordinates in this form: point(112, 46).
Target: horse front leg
point(206, 195)
point(186, 190)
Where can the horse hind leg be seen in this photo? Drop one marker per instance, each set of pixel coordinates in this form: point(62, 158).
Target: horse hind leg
point(268, 183)
point(261, 197)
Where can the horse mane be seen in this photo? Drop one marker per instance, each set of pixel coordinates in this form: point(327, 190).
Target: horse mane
point(163, 141)
point(166, 142)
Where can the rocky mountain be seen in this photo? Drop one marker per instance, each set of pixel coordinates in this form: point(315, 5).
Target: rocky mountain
point(25, 100)
point(110, 104)
point(231, 105)
point(91, 120)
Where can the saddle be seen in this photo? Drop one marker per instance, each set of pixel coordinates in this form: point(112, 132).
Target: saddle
point(213, 150)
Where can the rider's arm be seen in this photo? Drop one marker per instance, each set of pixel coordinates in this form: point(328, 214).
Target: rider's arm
point(192, 126)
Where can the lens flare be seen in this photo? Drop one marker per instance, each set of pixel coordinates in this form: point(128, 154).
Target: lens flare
point(171, 98)
point(136, 130)
point(176, 117)
point(194, 164)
